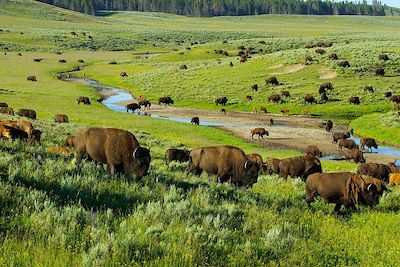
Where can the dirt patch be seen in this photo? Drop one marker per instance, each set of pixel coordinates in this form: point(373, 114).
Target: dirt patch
point(326, 74)
point(274, 67)
point(290, 69)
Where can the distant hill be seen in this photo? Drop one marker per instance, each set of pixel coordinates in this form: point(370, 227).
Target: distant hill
point(208, 8)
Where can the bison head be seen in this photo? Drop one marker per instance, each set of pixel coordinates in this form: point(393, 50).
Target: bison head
point(359, 158)
point(250, 173)
point(141, 161)
point(370, 194)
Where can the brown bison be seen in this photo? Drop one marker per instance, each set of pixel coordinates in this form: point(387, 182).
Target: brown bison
point(3, 105)
point(173, 154)
point(263, 109)
point(368, 89)
point(222, 101)
point(395, 98)
point(344, 64)
point(284, 111)
point(273, 166)
point(9, 132)
point(388, 94)
point(309, 99)
point(113, 62)
point(260, 131)
point(354, 154)
point(61, 118)
point(320, 51)
point(183, 67)
point(376, 170)
point(117, 148)
point(249, 98)
point(299, 167)
point(69, 142)
point(328, 125)
point(123, 74)
point(344, 188)
point(272, 81)
point(255, 157)
point(254, 87)
point(274, 98)
point(37, 60)
point(132, 106)
point(325, 86)
point(354, 100)
point(81, 61)
point(35, 136)
point(380, 72)
point(314, 151)
point(31, 78)
point(62, 61)
point(383, 57)
point(29, 113)
point(83, 99)
point(369, 143)
point(347, 143)
point(333, 56)
point(145, 103)
point(324, 97)
point(338, 136)
point(227, 162)
point(7, 110)
point(223, 111)
point(165, 100)
point(285, 94)
point(195, 120)
point(271, 122)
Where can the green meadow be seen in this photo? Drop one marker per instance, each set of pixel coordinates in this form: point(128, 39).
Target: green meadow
point(54, 214)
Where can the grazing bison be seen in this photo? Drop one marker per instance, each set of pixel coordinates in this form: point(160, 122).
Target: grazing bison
point(273, 166)
point(37, 60)
point(338, 136)
point(324, 97)
point(69, 142)
point(314, 151)
point(123, 74)
point(344, 64)
point(117, 148)
point(383, 57)
point(284, 111)
point(165, 100)
point(8, 132)
point(344, 188)
point(29, 113)
point(369, 143)
point(272, 81)
point(133, 107)
point(380, 72)
point(260, 131)
point(255, 157)
point(263, 109)
point(329, 126)
point(308, 59)
point(180, 155)
point(309, 99)
point(230, 64)
point(326, 86)
point(61, 118)
point(394, 179)
point(31, 78)
point(145, 103)
point(285, 94)
point(354, 154)
point(368, 89)
point(81, 61)
point(254, 87)
point(333, 56)
point(195, 120)
point(222, 101)
point(320, 51)
point(299, 167)
point(62, 61)
point(83, 99)
point(183, 67)
point(227, 162)
point(354, 100)
point(113, 62)
point(388, 94)
point(35, 136)
point(223, 111)
point(376, 170)
point(395, 98)
point(274, 98)
point(7, 110)
point(249, 97)
point(3, 105)
point(347, 143)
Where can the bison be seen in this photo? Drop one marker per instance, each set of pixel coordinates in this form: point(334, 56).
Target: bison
point(173, 154)
point(368, 89)
point(343, 188)
point(260, 131)
point(380, 72)
point(227, 162)
point(272, 81)
point(83, 99)
point(324, 97)
point(354, 154)
point(376, 170)
point(31, 78)
point(347, 143)
point(117, 148)
point(369, 143)
point(62, 61)
point(320, 51)
point(183, 67)
point(314, 151)
point(69, 142)
point(123, 74)
point(354, 100)
point(307, 59)
point(285, 94)
point(395, 99)
point(29, 113)
point(344, 64)
point(61, 118)
point(132, 106)
point(263, 109)
point(274, 98)
point(255, 157)
point(309, 99)
point(333, 56)
point(195, 120)
point(165, 100)
point(383, 57)
point(388, 94)
point(325, 86)
point(273, 166)
point(222, 101)
point(254, 87)
point(7, 110)
point(145, 103)
point(3, 105)
point(328, 125)
point(338, 136)
point(299, 167)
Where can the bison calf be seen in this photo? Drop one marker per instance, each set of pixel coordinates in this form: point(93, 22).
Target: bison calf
point(260, 131)
point(180, 155)
point(83, 99)
point(61, 118)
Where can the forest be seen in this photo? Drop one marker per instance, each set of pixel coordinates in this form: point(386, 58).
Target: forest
point(209, 8)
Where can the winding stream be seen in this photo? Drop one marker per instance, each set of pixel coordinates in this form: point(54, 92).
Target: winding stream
point(116, 95)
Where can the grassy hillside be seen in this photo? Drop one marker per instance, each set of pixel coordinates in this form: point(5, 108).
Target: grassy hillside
point(55, 214)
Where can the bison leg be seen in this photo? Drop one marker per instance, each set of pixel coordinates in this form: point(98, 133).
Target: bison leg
point(337, 208)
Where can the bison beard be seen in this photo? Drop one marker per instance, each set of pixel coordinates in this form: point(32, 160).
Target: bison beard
point(227, 162)
point(117, 148)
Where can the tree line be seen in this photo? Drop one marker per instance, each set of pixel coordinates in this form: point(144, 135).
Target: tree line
point(208, 8)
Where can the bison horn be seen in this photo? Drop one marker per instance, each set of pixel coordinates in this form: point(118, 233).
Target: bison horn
point(245, 165)
point(134, 152)
point(369, 187)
